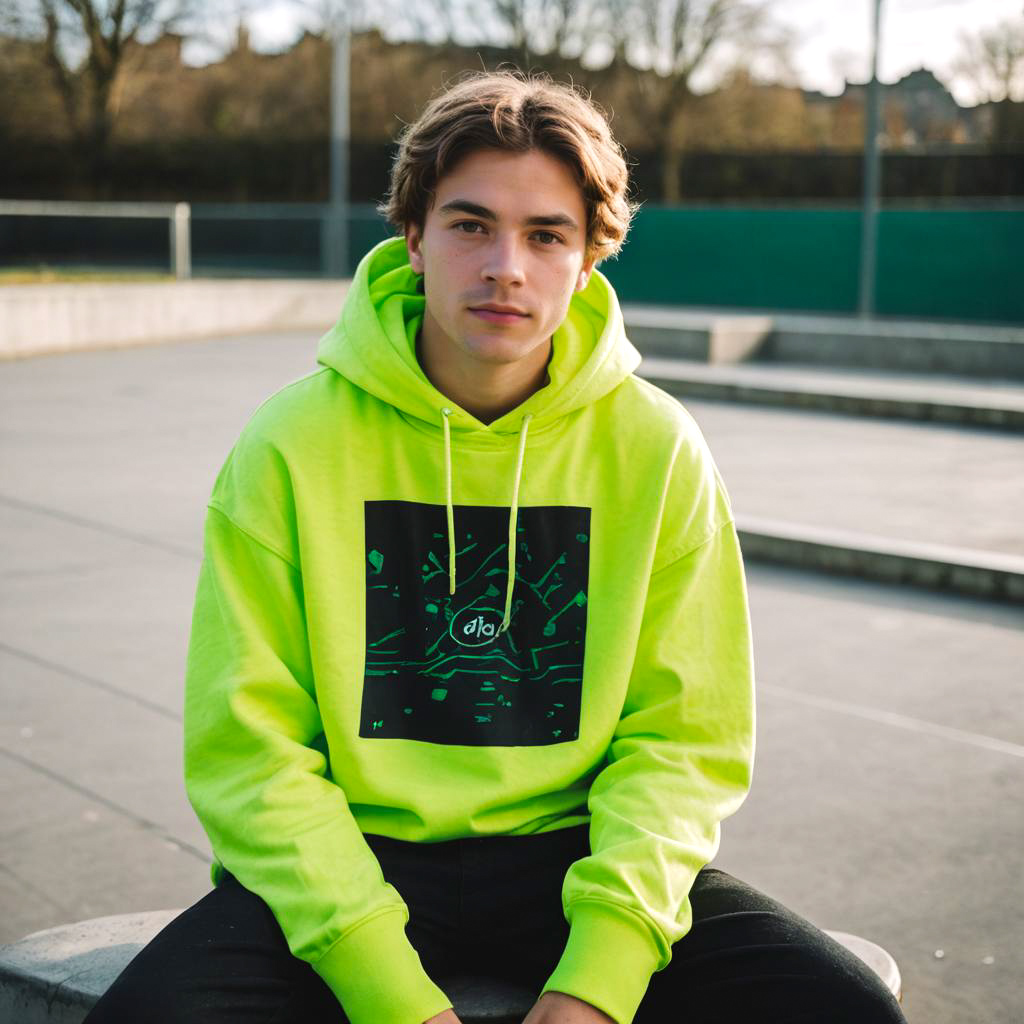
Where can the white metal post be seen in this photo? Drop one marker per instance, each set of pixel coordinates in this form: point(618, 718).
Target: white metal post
point(181, 241)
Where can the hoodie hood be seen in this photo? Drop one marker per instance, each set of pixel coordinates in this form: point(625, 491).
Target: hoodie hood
point(373, 344)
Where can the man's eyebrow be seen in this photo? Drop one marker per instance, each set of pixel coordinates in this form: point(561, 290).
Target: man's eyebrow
point(552, 220)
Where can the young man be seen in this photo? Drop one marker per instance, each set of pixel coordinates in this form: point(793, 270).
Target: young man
point(469, 687)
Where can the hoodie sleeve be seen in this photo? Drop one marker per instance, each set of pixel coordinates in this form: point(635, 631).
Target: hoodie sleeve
point(257, 776)
point(680, 761)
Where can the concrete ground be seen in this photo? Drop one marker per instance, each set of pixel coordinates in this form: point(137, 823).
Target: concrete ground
point(886, 799)
point(957, 486)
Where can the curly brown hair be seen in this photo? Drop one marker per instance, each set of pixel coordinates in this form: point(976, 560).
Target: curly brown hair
point(513, 111)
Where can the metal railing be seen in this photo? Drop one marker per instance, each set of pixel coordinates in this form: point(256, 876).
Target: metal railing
point(177, 215)
point(337, 232)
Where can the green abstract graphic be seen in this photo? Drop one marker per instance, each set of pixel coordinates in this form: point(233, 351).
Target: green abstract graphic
point(437, 667)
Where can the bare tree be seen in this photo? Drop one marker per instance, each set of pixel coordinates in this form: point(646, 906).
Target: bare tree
point(555, 31)
point(548, 34)
point(514, 17)
point(675, 39)
point(437, 21)
point(992, 59)
point(85, 44)
point(322, 17)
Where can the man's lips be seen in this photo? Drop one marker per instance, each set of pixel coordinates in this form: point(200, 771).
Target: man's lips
point(498, 314)
point(495, 313)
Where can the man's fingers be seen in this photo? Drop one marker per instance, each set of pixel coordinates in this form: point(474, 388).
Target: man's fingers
point(444, 1017)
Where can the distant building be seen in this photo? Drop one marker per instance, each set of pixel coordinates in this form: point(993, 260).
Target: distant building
point(930, 112)
point(917, 109)
point(1000, 122)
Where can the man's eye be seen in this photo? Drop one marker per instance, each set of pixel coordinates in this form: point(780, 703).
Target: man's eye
point(547, 237)
point(468, 226)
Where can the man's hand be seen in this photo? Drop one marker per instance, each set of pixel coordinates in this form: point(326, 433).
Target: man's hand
point(444, 1017)
point(560, 1008)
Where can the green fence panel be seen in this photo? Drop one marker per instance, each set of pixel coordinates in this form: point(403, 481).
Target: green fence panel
point(752, 258)
point(950, 264)
point(365, 229)
point(957, 264)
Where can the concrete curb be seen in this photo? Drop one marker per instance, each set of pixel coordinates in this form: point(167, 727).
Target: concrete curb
point(690, 382)
point(971, 350)
point(38, 319)
point(56, 976)
point(986, 574)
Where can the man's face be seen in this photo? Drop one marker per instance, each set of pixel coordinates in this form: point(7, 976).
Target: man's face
point(501, 251)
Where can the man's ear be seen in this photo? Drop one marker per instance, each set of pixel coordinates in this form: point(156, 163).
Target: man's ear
point(584, 275)
point(413, 242)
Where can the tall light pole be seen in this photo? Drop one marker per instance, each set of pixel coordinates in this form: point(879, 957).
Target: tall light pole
point(335, 229)
point(872, 160)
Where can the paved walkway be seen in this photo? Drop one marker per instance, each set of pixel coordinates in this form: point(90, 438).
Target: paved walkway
point(890, 726)
point(906, 481)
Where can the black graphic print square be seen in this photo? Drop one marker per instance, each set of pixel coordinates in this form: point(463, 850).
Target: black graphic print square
point(438, 668)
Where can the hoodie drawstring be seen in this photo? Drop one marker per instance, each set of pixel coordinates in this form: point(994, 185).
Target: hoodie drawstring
point(513, 516)
point(445, 413)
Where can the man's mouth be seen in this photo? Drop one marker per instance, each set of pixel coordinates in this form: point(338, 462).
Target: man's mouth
point(497, 314)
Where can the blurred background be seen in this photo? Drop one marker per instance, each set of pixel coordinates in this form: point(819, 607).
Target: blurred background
point(741, 119)
point(826, 270)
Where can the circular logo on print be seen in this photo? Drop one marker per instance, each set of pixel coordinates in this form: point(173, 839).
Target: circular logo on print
point(475, 627)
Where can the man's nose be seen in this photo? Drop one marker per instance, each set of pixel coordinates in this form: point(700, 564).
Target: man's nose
point(504, 262)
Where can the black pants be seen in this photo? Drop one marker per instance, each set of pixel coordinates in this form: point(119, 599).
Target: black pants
point(493, 906)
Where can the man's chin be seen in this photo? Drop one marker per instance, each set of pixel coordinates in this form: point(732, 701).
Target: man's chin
point(498, 351)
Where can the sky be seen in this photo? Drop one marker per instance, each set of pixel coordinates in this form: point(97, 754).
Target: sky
point(914, 33)
point(834, 36)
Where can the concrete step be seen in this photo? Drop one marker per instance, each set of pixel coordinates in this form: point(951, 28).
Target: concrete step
point(967, 571)
point(966, 401)
point(56, 976)
point(925, 504)
point(970, 350)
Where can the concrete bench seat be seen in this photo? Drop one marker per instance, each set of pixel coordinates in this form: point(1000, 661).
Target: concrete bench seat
point(55, 976)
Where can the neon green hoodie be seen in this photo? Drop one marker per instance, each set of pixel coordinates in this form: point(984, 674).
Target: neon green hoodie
point(363, 661)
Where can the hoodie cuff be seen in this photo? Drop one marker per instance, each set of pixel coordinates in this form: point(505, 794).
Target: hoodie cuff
point(608, 960)
point(377, 975)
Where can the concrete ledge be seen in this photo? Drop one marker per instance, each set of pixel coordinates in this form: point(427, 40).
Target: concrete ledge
point(56, 976)
point(701, 337)
point(45, 318)
point(978, 351)
point(933, 566)
point(974, 350)
point(736, 339)
point(968, 405)
point(877, 958)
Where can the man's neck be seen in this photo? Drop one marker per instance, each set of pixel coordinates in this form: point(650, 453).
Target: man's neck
point(486, 390)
